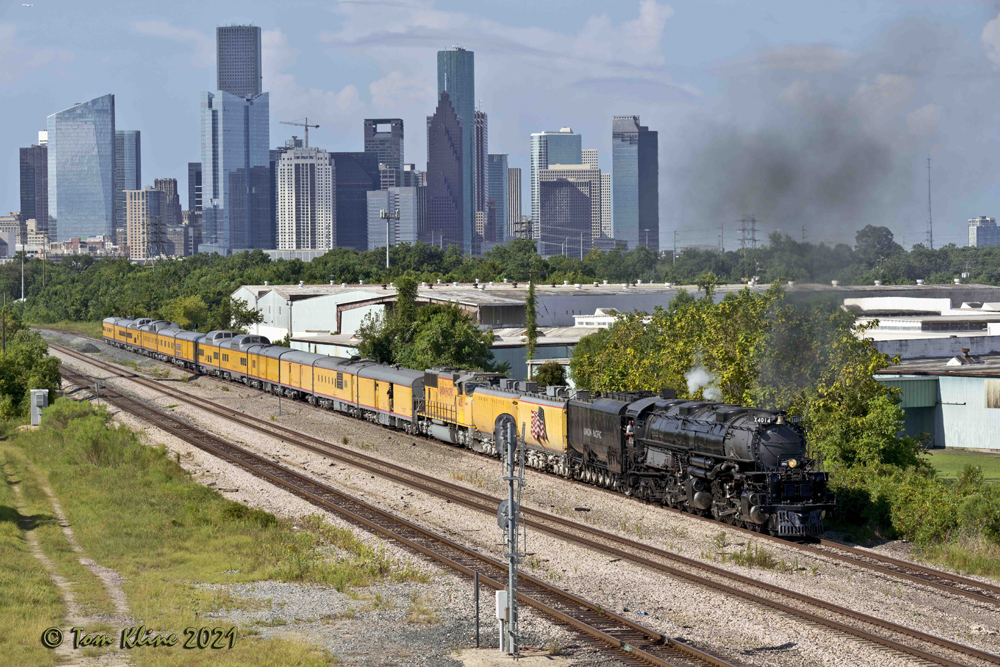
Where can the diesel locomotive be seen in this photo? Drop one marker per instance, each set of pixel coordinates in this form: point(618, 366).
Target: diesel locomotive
point(743, 466)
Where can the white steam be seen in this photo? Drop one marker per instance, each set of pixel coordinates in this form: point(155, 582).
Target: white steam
point(700, 377)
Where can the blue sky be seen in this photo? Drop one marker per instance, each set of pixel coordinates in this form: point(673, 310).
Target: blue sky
point(807, 114)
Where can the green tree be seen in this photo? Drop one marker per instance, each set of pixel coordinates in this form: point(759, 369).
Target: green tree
point(188, 311)
point(550, 374)
point(530, 329)
point(25, 365)
point(242, 316)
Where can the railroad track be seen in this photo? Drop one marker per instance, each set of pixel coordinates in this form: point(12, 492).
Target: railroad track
point(885, 565)
point(818, 612)
point(634, 643)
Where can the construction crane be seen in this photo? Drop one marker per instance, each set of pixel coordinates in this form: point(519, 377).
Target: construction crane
point(304, 123)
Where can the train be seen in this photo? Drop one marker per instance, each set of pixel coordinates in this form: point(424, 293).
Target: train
point(743, 466)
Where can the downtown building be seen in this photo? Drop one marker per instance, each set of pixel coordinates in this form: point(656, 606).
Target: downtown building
point(384, 138)
point(307, 214)
point(983, 232)
point(562, 147)
point(128, 175)
point(34, 173)
point(446, 174)
point(81, 170)
point(235, 132)
point(635, 172)
point(514, 203)
point(355, 175)
point(570, 209)
point(410, 202)
point(498, 191)
point(143, 231)
point(457, 78)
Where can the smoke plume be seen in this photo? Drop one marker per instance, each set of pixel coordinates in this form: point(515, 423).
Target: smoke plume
point(700, 377)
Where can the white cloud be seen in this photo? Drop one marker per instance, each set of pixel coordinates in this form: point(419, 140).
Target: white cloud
point(796, 94)
point(204, 46)
point(923, 122)
point(637, 41)
point(16, 61)
point(397, 90)
point(886, 97)
point(991, 38)
point(805, 58)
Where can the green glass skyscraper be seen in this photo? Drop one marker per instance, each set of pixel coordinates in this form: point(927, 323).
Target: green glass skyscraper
point(456, 76)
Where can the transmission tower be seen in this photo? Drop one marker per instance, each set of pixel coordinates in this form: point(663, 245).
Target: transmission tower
point(748, 232)
point(930, 220)
point(722, 244)
point(154, 238)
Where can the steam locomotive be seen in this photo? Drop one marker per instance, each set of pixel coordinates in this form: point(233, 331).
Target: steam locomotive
point(739, 465)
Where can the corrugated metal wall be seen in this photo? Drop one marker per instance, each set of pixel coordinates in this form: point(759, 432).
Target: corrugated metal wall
point(917, 392)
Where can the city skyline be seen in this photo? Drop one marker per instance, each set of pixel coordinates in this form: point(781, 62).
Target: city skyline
point(644, 54)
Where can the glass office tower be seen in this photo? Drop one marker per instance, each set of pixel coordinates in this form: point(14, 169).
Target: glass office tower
point(457, 77)
point(239, 60)
point(128, 175)
point(498, 189)
point(635, 177)
point(82, 170)
point(236, 199)
point(562, 147)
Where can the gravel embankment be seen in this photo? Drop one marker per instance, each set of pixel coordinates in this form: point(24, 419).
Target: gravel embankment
point(740, 632)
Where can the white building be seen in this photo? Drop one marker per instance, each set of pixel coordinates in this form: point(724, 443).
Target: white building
point(307, 214)
point(983, 231)
point(607, 221)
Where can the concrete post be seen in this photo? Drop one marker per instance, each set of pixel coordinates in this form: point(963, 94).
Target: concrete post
point(39, 400)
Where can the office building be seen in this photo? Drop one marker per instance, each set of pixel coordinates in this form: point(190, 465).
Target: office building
point(635, 176)
point(446, 178)
point(607, 212)
point(34, 161)
point(481, 150)
point(567, 212)
point(177, 241)
point(144, 229)
point(983, 231)
point(562, 147)
point(239, 60)
point(589, 158)
point(354, 174)
point(81, 151)
point(274, 157)
point(456, 77)
point(307, 215)
point(13, 227)
point(236, 183)
point(411, 202)
point(128, 174)
point(194, 186)
point(498, 190)
point(171, 204)
point(384, 137)
point(560, 215)
point(513, 201)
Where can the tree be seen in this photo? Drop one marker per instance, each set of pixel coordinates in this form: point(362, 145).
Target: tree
point(188, 311)
point(550, 374)
point(242, 316)
point(873, 243)
point(530, 329)
point(24, 366)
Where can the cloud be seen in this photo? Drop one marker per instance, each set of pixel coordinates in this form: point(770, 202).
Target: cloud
point(991, 38)
point(204, 46)
point(923, 122)
point(803, 58)
point(397, 90)
point(16, 61)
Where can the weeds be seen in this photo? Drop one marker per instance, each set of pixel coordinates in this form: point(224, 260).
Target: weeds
point(473, 478)
point(421, 610)
point(553, 647)
point(754, 556)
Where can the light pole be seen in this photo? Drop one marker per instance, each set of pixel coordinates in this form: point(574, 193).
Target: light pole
point(387, 216)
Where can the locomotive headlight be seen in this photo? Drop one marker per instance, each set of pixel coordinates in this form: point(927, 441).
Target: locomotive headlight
point(792, 463)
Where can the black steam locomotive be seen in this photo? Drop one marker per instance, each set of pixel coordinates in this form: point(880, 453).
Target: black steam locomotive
point(743, 466)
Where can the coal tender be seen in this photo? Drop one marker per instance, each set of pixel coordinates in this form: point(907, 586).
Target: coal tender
point(742, 466)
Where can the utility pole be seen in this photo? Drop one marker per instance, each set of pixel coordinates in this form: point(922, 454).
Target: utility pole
point(304, 123)
point(674, 253)
point(930, 220)
point(387, 216)
point(3, 319)
point(803, 233)
point(722, 245)
point(508, 516)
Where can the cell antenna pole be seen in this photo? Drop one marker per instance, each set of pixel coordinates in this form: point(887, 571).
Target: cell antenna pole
point(930, 219)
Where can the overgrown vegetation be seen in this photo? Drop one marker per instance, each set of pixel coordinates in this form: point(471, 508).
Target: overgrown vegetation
point(551, 373)
point(24, 365)
point(134, 509)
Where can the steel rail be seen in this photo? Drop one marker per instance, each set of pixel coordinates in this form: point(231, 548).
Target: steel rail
point(577, 530)
point(632, 639)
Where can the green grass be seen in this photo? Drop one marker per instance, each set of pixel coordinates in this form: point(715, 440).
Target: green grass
point(949, 463)
point(134, 509)
point(93, 329)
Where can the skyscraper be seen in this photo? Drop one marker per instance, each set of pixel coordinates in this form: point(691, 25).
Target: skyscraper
point(446, 178)
point(589, 158)
point(513, 200)
point(194, 186)
point(307, 215)
point(635, 172)
point(239, 60)
point(498, 190)
point(562, 147)
point(143, 231)
point(170, 205)
point(560, 221)
point(481, 150)
point(607, 216)
point(456, 76)
point(274, 158)
point(384, 137)
point(35, 183)
point(236, 188)
point(354, 175)
point(410, 201)
point(81, 170)
point(128, 174)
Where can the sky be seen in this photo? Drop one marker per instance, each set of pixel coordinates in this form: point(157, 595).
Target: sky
point(818, 118)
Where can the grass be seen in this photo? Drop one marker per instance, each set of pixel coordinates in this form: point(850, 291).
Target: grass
point(134, 509)
point(949, 463)
point(421, 610)
point(93, 329)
